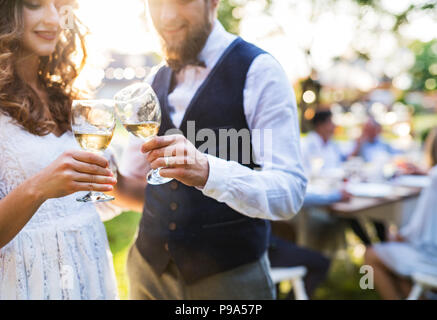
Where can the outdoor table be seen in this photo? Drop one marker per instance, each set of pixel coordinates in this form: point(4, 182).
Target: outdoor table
point(392, 209)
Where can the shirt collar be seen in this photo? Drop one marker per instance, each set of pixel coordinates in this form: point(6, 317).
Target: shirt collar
point(216, 44)
point(319, 140)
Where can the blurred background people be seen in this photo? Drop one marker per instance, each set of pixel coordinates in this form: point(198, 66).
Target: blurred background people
point(370, 146)
point(322, 156)
point(318, 149)
point(414, 248)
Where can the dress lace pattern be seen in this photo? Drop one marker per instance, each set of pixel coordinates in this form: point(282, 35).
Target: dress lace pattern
point(62, 252)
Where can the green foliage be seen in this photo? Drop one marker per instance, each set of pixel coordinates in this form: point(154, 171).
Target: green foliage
point(426, 56)
point(365, 2)
point(121, 230)
point(226, 16)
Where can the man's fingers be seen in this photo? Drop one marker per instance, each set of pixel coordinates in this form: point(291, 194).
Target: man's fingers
point(159, 142)
point(176, 173)
point(170, 151)
point(89, 157)
point(177, 161)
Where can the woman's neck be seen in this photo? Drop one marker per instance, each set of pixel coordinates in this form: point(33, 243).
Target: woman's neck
point(27, 69)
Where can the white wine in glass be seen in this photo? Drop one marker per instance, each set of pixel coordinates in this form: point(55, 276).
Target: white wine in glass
point(144, 130)
point(139, 111)
point(93, 124)
point(93, 142)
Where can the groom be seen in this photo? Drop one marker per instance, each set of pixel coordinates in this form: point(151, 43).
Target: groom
point(205, 234)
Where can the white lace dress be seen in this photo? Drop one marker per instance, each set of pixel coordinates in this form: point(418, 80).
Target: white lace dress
point(62, 252)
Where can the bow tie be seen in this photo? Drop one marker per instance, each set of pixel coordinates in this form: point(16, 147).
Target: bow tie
point(177, 66)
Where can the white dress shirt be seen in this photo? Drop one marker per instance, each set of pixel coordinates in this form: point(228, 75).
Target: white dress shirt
point(277, 190)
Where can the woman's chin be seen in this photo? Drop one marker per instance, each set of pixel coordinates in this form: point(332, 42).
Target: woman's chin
point(43, 50)
point(46, 52)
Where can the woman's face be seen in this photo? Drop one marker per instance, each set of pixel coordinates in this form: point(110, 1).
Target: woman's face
point(41, 26)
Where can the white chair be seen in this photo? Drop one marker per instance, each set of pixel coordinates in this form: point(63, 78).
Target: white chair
point(293, 274)
point(422, 283)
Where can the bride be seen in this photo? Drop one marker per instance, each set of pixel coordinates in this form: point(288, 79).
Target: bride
point(51, 246)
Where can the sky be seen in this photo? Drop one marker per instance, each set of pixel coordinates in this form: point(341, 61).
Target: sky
point(123, 26)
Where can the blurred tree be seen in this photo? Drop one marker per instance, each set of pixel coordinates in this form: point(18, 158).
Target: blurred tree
point(228, 16)
point(424, 71)
point(229, 13)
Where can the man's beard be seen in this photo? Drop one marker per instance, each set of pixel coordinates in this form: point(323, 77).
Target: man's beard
point(177, 57)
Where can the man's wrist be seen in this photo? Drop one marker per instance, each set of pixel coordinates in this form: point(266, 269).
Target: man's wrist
point(216, 178)
point(205, 171)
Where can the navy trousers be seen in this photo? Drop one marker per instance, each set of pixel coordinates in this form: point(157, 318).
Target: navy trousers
point(284, 253)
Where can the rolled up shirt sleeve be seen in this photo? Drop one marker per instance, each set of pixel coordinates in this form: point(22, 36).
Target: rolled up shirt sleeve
point(277, 191)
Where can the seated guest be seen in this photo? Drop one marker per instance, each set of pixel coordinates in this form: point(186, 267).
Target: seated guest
point(319, 145)
point(414, 249)
point(370, 146)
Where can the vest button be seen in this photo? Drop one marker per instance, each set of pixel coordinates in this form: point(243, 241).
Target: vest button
point(173, 206)
point(166, 247)
point(174, 185)
point(172, 226)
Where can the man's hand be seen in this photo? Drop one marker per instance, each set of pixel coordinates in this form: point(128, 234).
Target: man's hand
point(185, 163)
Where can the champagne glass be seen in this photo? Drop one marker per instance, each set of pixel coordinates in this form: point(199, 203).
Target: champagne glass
point(93, 124)
point(139, 111)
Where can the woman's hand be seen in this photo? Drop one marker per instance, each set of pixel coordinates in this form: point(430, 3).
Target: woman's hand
point(72, 172)
point(396, 238)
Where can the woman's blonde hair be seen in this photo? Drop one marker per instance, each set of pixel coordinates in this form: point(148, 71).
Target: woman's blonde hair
point(431, 147)
point(56, 73)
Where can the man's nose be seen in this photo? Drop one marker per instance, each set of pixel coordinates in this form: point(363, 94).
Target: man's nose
point(169, 12)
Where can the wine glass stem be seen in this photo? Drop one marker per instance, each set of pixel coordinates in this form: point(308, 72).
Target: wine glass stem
point(99, 153)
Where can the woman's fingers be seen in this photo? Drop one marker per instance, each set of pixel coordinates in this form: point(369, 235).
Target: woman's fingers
point(91, 158)
point(84, 167)
point(95, 179)
point(84, 186)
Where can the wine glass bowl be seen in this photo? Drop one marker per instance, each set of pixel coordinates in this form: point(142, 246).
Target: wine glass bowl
point(93, 125)
point(138, 109)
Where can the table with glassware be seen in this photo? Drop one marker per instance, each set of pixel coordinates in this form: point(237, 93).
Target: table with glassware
point(390, 201)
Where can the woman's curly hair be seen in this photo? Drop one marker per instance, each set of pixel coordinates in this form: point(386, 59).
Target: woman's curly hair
point(56, 74)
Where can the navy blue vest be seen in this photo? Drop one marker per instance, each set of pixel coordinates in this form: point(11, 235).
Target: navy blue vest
point(200, 234)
